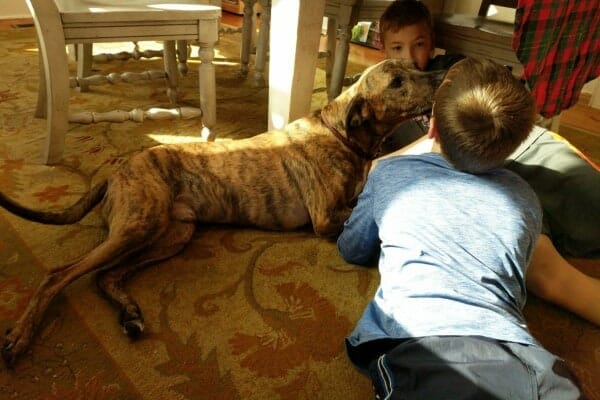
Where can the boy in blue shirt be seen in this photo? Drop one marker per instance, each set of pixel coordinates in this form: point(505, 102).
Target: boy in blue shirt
point(454, 233)
point(567, 184)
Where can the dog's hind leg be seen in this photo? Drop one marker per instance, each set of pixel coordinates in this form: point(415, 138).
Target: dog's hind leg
point(111, 281)
point(18, 338)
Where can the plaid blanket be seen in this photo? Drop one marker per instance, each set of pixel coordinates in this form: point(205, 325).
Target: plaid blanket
point(558, 43)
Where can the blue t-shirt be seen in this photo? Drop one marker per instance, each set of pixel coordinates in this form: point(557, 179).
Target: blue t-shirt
point(453, 250)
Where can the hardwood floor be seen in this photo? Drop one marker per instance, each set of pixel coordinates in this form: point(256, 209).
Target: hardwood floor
point(583, 116)
point(580, 124)
point(15, 23)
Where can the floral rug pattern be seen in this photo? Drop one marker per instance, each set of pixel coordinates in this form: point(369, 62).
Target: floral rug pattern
point(239, 314)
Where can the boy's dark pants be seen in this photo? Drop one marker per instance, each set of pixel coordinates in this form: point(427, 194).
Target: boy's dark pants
point(458, 368)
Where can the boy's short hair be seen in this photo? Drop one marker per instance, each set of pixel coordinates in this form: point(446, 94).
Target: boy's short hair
point(402, 13)
point(482, 114)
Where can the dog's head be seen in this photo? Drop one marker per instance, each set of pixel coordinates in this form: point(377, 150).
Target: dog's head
point(386, 94)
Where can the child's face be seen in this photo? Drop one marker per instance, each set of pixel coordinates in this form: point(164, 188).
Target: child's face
point(412, 42)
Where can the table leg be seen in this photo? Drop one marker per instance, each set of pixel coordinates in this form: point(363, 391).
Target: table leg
point(294, 46)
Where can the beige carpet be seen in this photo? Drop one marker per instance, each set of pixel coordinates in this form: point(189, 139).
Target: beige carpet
point(240, 314)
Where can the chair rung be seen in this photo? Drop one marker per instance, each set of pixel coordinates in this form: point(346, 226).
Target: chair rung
point(128, 77)
point(136, 115)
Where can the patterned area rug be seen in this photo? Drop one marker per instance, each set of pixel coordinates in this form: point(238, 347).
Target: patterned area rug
point(239, 314)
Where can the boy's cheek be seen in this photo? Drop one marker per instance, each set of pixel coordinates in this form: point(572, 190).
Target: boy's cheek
point(422, 63)
point(390, 54)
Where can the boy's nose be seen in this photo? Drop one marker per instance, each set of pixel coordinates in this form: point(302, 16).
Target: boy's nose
point(406, 54)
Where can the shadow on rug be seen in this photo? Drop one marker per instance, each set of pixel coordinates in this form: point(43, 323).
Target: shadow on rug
point(240, 314)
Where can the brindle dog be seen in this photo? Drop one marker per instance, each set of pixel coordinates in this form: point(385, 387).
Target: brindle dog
point(309, 172)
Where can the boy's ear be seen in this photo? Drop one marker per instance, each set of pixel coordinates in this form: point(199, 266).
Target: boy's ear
point(432, 133)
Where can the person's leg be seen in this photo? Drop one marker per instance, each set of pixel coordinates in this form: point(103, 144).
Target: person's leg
point(452, 367)
point(554, 279)
point(554, 379)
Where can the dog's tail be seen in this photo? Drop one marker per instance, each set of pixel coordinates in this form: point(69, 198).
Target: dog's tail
point(67, 216)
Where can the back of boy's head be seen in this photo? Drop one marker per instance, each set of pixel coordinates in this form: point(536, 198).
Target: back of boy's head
point(402, 13)
point(482, 113)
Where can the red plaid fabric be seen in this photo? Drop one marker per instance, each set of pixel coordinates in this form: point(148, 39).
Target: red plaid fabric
point(558, 43)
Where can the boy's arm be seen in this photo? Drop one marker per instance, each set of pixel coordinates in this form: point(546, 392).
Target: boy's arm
point(359, 241)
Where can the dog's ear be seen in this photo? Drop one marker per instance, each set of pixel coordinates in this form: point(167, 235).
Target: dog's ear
point(349, 118)
point(356, 114)
point(360, 128)
point(352, 117)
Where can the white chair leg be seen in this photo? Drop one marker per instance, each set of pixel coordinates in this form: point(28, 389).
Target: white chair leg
point(206, 79)
point(84, 63)
point(208, 103)
point(41, 108)
point(341, 53)
point(182, 56)
point(331, 44)
point(262, 44)
point(57, 97)
point(170, 61)
point(247, 28)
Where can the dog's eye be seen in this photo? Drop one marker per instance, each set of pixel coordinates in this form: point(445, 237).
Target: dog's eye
point(396, 82)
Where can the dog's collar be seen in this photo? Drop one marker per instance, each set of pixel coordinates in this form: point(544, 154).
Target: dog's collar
point(352, 146)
